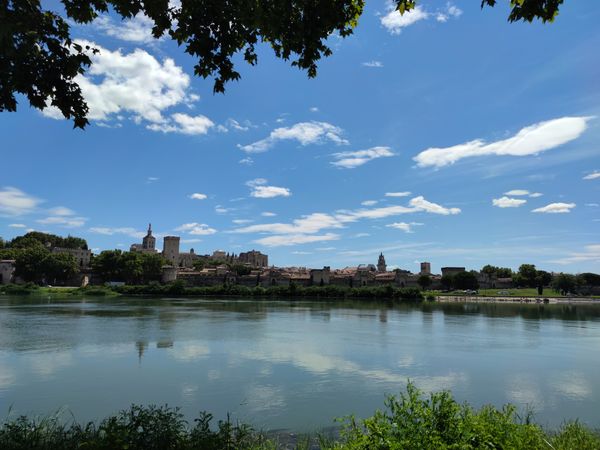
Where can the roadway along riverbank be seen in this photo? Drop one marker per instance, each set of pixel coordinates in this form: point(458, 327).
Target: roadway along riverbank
point(501, 299)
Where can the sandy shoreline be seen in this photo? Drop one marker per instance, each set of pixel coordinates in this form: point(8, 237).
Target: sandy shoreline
point(531, 300)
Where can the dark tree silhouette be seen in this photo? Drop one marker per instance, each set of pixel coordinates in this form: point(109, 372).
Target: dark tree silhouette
point(39, 59)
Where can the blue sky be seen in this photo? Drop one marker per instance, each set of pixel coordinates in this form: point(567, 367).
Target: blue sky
point(448, 136)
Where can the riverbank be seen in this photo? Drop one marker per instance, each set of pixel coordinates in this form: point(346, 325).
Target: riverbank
point(180, 290)
point(529, 300)
point(412, 420)
point(384, 293)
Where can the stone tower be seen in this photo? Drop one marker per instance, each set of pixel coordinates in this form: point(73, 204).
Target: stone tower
point(425, 268)
point(381, 265)
point(149, 241)
point(171, 249)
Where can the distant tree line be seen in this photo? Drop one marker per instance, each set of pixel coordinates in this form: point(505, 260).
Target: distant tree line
point(292, 290)
point(34, 260)
point(128, 267)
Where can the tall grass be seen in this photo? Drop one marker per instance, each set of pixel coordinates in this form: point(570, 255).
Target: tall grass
point(409, 421)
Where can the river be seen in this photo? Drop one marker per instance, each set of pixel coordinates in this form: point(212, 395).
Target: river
point(293, 365)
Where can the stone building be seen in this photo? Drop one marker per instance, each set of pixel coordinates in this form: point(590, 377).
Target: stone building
point(254, 258)
point(82, 256)
point(425, 268)
point(220, 255)
point(148, 244)
point(451, 271)
point(171, 250)
point(7, 271)
point(320, 277)
point(381, 265)
point(176, 258)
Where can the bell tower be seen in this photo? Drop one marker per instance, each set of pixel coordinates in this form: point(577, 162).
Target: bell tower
point(381, 265)
point(149, 241)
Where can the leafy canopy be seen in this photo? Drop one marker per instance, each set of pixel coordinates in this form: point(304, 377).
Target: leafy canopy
point(40, 60)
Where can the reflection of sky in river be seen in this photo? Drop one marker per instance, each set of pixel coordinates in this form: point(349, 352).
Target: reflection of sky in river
point(285, 365)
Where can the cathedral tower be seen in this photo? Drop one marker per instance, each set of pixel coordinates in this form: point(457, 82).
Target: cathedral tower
point(149, 241)
point(381, 265)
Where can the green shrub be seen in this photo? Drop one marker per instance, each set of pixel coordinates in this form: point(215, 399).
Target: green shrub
point(413, 421)
point(410, 421)
point(19, 289)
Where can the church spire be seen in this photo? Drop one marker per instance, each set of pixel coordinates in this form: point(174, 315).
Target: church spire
point(149, 229)
point(381, 265)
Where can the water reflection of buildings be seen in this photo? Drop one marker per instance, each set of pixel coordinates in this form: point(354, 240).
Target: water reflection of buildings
point(142, 346)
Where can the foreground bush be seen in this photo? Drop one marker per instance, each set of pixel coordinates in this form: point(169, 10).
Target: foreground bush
point(410, 421)
point(19, 289)
point(138, 428)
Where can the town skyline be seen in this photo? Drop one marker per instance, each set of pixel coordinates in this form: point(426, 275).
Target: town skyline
point(420, 157)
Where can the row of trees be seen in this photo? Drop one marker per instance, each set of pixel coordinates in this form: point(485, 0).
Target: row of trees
point(45, 239)
point(461, 280)
point(34, 260)
point(527, 276)
point(128, 267)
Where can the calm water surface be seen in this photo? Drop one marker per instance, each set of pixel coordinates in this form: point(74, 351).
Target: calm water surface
point(293, 365)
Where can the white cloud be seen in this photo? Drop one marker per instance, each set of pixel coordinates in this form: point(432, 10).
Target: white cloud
point(261, 190)
point(555, 208)
point(450, 11)
point(313, 109)
point(137, 29)
point(374, 64)
point(369, 202)
point(304, 133)
point(190, 241)
point(314, 223)
point(241, 221)
point(17, 225)
point(138, 84)
point(256, 182)
point(65, 221)
point(128, 231)
point(152, 180)
point(268, 214)
point(592, 205)
point(589, 253)
point(393, 21)
point(184, 124)
point(508, 202)
point(198, 196)
point(350, 160)
point(423, 205)
point(397, 194)
point(222, 210)
point(63, 216)
point(523, 192)
point(295, 239)
point(530, 140)
point(197, 229)
point(592, 176)
point(14, 202)
point(404, 226)
point(517, 192)
point(247, 161)
point(232, 123)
